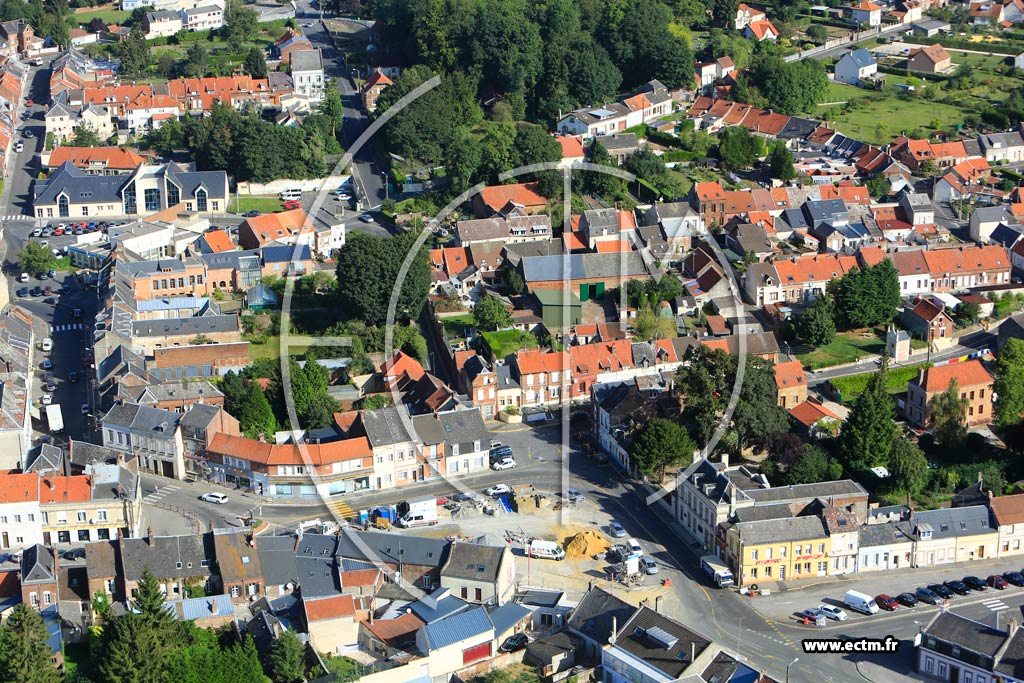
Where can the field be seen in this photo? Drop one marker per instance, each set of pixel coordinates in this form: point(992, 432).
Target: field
point(261, 204)
point(509, 341)
point(109, 16)
point(847, 347)
point(896, 380)
point(881, 116)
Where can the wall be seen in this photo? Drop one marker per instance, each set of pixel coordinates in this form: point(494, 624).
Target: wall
point(276, 186)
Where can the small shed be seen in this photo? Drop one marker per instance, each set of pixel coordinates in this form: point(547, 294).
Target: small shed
point(261, 298)
point(559, 308)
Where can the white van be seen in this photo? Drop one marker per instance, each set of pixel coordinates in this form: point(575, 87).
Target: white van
point(860, 602)
point(546, 550)
point(23, 277)
point(293, 193)
point(47, 344)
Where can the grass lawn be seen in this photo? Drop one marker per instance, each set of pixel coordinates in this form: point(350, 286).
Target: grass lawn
point(272, 349)
point(262, 204)
point(509, 341)
point(841, 92)
point(896, 380)
point(109, 16)
point(981, 62)
point(894, 115)
point(456, 325)
point(847, 347)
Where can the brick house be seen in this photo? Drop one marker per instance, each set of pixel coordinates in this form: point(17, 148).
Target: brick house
point(238, 564)
point(973, 381)
point(374, 86)
point(790, 383)
point(418, 558)
point(494, 199)
point(176, 562)
point(541, 375)
point(710, 200)
point(928, 320)
point(205, 360)
point(40, 569)
point(932, 59)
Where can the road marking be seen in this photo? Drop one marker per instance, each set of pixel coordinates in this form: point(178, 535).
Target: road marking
point(157, 495)
point(341, 509)
point(995, 605)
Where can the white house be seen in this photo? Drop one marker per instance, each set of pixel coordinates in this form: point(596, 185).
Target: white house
point(21, 523)
point(746, 15)
point(855, 67)
point(867, 12)
point(203, 18)
point(650, 102)
point(308, 74)
point(162, 23)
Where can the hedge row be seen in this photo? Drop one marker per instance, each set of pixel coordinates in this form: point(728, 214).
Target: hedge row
point(1001, 49)
point(683, 155)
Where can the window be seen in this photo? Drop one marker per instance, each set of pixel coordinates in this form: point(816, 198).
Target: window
point(47, 598)
point(479, 595)
point(32, 517)
point(130, 200)
point(33, 599)
point(62, 206)
point(465, 593)
point(85, 210)
point(17, 519)
point(173, 194)
point(200, 199)
point(102, 515)
point(81, 516)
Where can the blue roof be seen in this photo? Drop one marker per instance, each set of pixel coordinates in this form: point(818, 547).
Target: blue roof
point(446, 606)
point(507, 616)
point(279, 254)
point(457, 627)
point(51, 621)
point(261, 294)
point(191, 609)
point(161, 304)
point(860, 57)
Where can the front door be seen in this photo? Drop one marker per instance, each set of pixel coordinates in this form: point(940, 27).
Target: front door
point(981, 552)
point(782, 573)
point(954, 674)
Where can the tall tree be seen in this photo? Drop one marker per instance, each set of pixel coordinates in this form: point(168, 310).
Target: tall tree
point(816, 325)
point(135, 56)
point(659, 444)
point(285, 659)
point(490, 314)
point(367, 273)
point(241, 23)
point(868, 297)
point(870, 432)
point(812, 466)
point(908, 467)
point(132, 651)
point(949, 416)
point(602, 184)
point(150, 604)
point(256, 417)
point(256, 63)
point(196, 61)
point(84, 136)
point(1008, 369)
point(758, 415)
point(24, 652)
point(780, 162)
point(35, 258)
point(737, 148)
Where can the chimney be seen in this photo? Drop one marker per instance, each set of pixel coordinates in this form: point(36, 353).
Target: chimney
point(693, 651)
point(371, 616)
point(262, 438)
point(149, 534)
point(615, 629)
point(657, 604)
point(297, 539)
point(725, 461)
point(211, 524)
point(214, 609)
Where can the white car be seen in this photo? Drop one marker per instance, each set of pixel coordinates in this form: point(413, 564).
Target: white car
point(497, 490)
point(47, 399)
point(342, 197)
point(504, 464)
point(634, 547)
point(218, 498)
point(37, 232)
point(833, 612)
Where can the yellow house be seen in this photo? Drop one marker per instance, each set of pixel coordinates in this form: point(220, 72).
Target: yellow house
point(952, 535)
point(784, 549)
point(1008, 512)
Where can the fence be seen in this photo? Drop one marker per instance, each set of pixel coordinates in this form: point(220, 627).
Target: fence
point(190, 516)
point(275, 186)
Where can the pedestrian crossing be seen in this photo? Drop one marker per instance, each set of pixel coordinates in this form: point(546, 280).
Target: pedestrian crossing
point(341, 509)
point(16, 217)
point(69, 327)
point(160, 493)
point(995, 605)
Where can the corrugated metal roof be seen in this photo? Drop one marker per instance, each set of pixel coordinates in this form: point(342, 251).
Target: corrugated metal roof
point(191, 609)
point(457, 627)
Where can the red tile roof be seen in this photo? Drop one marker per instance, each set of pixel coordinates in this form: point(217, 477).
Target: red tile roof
point(533, 361)
point(809, 412)
point(572, 147)
point(291, 454)
point(762, 28)
point(525, 194)
point(617, 246)
point(395, 631)
point(818, 268)
point(967, 260)
point(19, 488)
point(74, 489)
point(279, 225)
point(709, 191)
point(334, 607)
point(927, 310)
point(110, 157)
point(790, 374)
point(598, 357)
point(1008, 509)
point(219, 241)
point(967, 374)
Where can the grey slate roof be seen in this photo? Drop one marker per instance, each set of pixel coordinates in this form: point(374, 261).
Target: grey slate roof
point(465, 428)
point(505, 617)
point(781, 530)
point(277, 253)
point(37, 565)
point(671, 661)
point(207, 324)
point(583, 266)
point(199, 415)
point(438, 605)
point(226, 259)
point(1011, 661)
point(950, 629)
point(194, 554)
point(79, 186)
point(48, 458)
point(173, 391)
point(457, 627)
point(860, 57)
point(386, 547)
point(949, 522)
point(592, 617)
point(872, 535)
point(277, 558)
point(143, 419)
point(384, 427)
point(472, 561)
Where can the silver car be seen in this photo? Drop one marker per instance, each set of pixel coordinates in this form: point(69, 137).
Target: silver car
point(615, 530)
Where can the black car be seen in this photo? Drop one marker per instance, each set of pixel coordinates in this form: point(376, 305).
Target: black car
point(906, 599)
point(52, 300)
point(73, 554)
point(51, 386)
point(1016, 578)
point(514, 642)
point(250, 214)
point(926, 595)
point(500, 452)
point(940, 590)
point(73, 376)
point(23, 291)
point(36, 291)
point(974, 583)
point(958, 587)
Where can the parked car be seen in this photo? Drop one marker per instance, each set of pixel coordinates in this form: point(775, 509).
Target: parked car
point(85, 409)
point(504, 464)
point(648, 565)
point(812, 614)
point(499, 452)
point(73, 376)
point(634, 547)
point(925, 595)
point(366, 218)
point(907, 599)
point(574, 496)
point(250, 214)
point(22, 291)
point(52, 300)
point(940, 590)
point(1015, 578)
point(74, 554)
point(958, 587)
point(516, 641)
point(997, 582)
point(497, 490)
point(47, 364)
point(836, 613)
point(51, 386)
point(615, 530)
point(214, 497)
point(47, 399)
point(886, 602)
point(38, 232)
point(974, 583)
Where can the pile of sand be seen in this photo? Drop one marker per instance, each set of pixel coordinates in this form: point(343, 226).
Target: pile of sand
point(585, 545)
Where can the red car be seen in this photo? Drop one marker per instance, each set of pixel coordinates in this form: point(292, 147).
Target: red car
point(28, 102)
point(58, 232)
point(997, 582)
point(292, 204)
point(886, 602)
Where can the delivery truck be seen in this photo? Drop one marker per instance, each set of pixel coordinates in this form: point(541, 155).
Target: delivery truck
point(54, 418)
point(717, 571)
point(417, 512)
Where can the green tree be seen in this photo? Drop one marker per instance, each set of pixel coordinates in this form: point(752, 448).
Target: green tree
point(737, 148)
point(514, 281)
point(24, 652)
point(817, 33)
point(149, 602)
point(256, 417)
point(284, 661)
point(645, 164)
point(490, 314)
point(878, 186)
point(166, 63)
point(864, 298)
point(134, 53)
point(812, 466)
point(331, 107)
point(949, 417)
point(780, 162)
point(908, 467)
point(367, 272)
point(35, 258)
point(601, 184)
point(1008, 370)
point(241, 23)
point(816, 325)
point(132, 651)
point(196, 61)
point(646, 324)
point(659, 444)
point(374, 402)
point(256, 64)
point(84, 136)
point(870, 432)
point(757, 416)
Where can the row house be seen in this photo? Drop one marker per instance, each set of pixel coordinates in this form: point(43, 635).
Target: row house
point(455, 442)
point(62, 120)
point(1008, 517)
point(784, 549)
point(514, 228)
point(916, 153)
point(543, 377)
point(96, 506)
point(491, 389)
point(973, 382)
point(797, 280)
point(20, 515)
point(955, 270)
point(151, 435)
point(396, 459)
point(284, 470)
point(959, 649)
point(650, 102)
point(966, 180)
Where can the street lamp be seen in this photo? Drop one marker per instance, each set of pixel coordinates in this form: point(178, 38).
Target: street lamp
point(795, 660)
